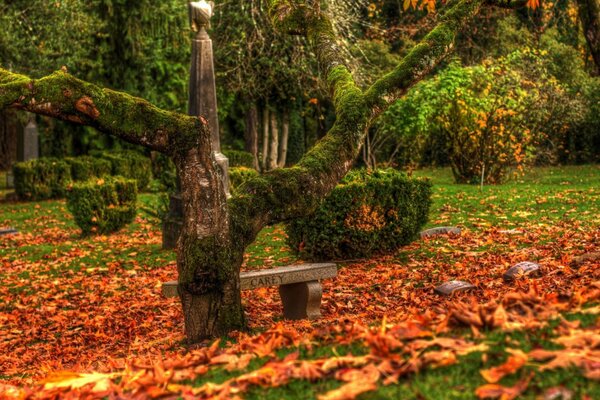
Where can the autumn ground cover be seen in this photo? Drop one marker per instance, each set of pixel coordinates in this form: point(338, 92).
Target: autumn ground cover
point(84, 316)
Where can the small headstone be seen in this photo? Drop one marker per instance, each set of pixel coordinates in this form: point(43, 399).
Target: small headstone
point(525, 268)
point(511, 232)
point(582, 259)
point(8, 231)
point(450, 287)
point(10, 179)
point(28, 146)
point(442, 230)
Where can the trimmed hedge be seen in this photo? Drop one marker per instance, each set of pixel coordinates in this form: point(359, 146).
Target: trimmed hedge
point(238, 158)
point(367, 213)
point(84, 168)
point(103, 205)
point(40, 179)
point(129, 164)
point(239, 175)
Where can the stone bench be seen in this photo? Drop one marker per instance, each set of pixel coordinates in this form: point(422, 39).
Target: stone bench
point(299, 287)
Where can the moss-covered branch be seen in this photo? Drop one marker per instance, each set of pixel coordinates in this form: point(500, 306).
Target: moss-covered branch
point(135, 120)
point(291, 192)
point(421, 59)
point(287, 193)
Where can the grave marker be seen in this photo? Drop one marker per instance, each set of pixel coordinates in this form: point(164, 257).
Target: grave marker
point(442, 230)
point(451, 287)
point(525, 268)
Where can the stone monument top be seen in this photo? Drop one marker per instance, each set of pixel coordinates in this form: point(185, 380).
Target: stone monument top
point(200, 14)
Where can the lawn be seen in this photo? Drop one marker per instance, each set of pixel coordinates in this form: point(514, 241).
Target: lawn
point(92, 306)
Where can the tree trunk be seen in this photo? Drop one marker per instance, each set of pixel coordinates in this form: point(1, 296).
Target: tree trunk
point(285, 134)
point(274, 143)
point(589, 14)
point(9, 126)
point(265, 139)
point(208, 262)
point(251, 134)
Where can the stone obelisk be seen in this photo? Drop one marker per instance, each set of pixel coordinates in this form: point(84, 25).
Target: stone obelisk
point(202, 102)
point(202, 87)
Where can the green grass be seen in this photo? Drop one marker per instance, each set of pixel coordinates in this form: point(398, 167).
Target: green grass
point(546, 194)
point(542, 197)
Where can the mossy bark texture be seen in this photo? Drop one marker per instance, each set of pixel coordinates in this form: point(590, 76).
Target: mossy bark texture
point(216, 230)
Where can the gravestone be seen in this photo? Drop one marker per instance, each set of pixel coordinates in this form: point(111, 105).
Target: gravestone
point(525, 268)
point(451, 287)
point(202, 86)
point(442, 230)
point(8, 231)
point(28, 142)
point(202, 101)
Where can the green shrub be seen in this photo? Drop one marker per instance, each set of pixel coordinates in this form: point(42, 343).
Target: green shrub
point(85, 167)
point(239, 175)
point(367, 213)
point(103, 205)
point(129, 164)
point(239, 158)
point(40, 179)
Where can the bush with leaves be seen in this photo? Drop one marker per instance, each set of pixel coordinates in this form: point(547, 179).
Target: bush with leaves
point(85, 167)
point(129, 164)
point(41, 179)
point(239, 175)
point(238, 158)
point(367, 213)
point(487, 118)
point(102, 205)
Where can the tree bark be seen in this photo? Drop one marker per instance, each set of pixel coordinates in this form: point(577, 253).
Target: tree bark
point(274, 142)
point(251, 134)
point(265, 137)
point(589, 14)
point(285, 135)
point(208, 262)
point(9, 126)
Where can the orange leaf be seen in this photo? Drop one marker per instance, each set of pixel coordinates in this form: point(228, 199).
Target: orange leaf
point(348, 391)
point(513, 364)
point(73, 380)
point(495, 391)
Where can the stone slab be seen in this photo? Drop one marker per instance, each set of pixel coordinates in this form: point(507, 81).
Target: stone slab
point(450, 287)
point(301, 300)
point(584, 258)
point(511, 232)
point(273, 277)
point(442, 230)
point(525, 268)
point(9, 231)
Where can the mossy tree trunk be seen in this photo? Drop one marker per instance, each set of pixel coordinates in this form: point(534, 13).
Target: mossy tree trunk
point(216, 230)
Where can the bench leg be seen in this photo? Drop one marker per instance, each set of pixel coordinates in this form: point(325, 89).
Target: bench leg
point(301, 300)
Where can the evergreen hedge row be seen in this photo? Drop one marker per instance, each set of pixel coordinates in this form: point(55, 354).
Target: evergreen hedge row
point(85, 167)
point(47, 178)
point(41, 179)
point(238, 158)
point(129, 164)
point(103, 205)
point(368, 213)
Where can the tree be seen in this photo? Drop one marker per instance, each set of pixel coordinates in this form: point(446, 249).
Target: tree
point(589, 14)
point(216, 230)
